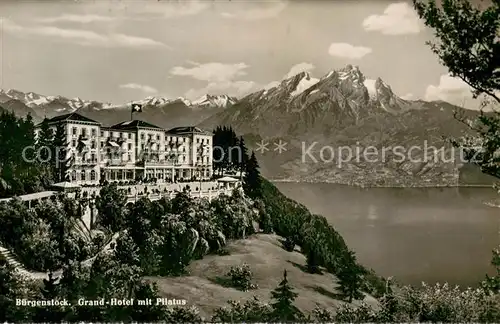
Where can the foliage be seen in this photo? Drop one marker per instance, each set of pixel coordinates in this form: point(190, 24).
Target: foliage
point(252, 182)
point(42, 238)
point(492, 283)
point(439, 303)
point(241, 277)
point(468, 41)
point(468, 45)
point(251, 311)
point(350, 279)
point(13, 287)
point(289, 244)
point(283, 308)
point(110, 205)
point(226, 145)
point(60, 150)
point(19, 171)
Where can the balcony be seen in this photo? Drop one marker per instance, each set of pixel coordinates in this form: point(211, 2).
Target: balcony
point(116, 162)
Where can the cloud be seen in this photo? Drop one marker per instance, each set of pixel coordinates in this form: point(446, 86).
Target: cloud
point(84, 19)
point(297, 68)
point(408, 96)
point(397, 19)
point(84, 37)
point(258, 13)
point(220, 78)
point(450, 89)
point(141, 87)
point(172, 9)
point(271, 85)
point(345, 50)
point(211, 72)
point(232, 88)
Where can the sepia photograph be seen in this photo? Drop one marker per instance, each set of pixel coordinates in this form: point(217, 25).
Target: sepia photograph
point(250, 161)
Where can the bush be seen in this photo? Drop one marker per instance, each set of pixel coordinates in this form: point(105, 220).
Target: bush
point(252, 311)
point(223, 251)
point(241, 277)
point(289, 244)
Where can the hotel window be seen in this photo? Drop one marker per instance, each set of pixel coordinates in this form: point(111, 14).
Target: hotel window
point(94, 132)
point(129, 157)
point(129, 145)
point(92, 146)
point(92, 158)
point(73, 143)
point(73, 175)
point(75, 131)
point(82, 175)
point(92, 175)
point(197, 140)
point(129, 135)
point(84, 132)
point(142, 136)
point(102, 133)
point(158, 137)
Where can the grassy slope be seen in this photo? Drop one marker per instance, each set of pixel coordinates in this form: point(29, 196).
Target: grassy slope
point(267, 261)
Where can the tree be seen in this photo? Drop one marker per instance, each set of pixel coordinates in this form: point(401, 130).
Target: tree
point(110, 205)
point(243, 158)
point(283, 308)
point(11, 288)
point(350, 278)
point(469, 46)
point(252, 182)
point(60, 159)
point(468, 41)
point(492, 283)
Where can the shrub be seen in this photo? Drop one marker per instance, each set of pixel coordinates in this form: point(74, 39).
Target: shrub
point(241, 277)
point(223, 251)
point(289, 244)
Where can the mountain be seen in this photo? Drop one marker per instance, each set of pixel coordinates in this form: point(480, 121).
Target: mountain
point(329, 125)
point(220, 101)
point(157, 110)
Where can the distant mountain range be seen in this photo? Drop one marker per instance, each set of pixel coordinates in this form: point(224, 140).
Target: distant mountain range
point(157, 110)
point(341, 109)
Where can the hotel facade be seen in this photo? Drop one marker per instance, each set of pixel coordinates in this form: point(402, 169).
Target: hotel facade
point(132, 150)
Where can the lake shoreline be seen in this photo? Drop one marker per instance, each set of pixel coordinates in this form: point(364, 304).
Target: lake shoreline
point(381, 186)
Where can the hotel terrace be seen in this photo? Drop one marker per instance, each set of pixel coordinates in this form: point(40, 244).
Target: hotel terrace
point(133, 150)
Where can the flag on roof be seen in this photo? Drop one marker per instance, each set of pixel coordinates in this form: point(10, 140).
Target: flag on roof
point(136, 108)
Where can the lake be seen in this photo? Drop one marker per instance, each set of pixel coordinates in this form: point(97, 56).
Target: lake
point(413, 234)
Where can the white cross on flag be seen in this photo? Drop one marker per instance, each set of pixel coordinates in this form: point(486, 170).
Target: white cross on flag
point(136, 108)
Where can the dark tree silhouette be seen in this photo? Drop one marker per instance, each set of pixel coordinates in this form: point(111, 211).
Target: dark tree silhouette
point(283, 307)
point(252, 182)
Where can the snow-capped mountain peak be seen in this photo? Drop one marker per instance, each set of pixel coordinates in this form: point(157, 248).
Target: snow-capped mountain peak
point(220, 101)
point(305, 82)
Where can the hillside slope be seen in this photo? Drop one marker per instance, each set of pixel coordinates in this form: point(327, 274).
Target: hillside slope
point(267, 260)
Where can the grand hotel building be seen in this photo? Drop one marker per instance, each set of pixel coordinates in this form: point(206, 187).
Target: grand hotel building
point(133, 150)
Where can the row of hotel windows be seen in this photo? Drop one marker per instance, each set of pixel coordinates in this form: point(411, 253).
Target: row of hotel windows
point(129, 146)
point(83, 175)
point(178, 139)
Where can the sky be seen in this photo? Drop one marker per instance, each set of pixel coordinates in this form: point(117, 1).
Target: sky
point(119, 51)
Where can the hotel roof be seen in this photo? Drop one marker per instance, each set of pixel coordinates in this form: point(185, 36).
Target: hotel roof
point(72, 117)
point(133, 124)
point(187, 130)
